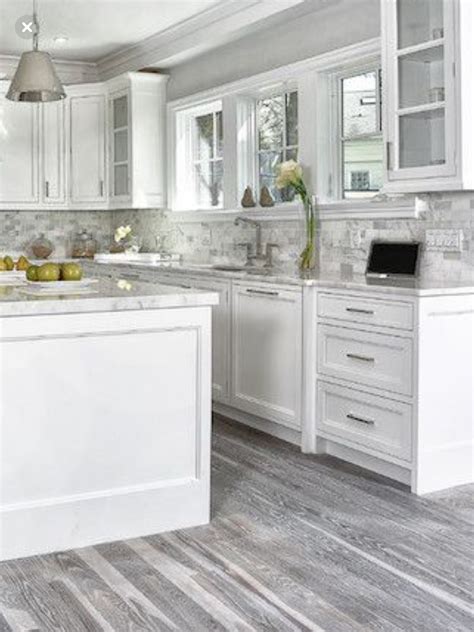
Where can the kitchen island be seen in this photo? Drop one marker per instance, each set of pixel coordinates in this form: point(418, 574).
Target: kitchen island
point(105, 414)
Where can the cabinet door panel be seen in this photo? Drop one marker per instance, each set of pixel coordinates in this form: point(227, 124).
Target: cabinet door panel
point(88, 149)
point(18, 152)
point(266, 352)
point(53, 189)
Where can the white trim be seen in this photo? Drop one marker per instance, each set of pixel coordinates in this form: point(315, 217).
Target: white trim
point(345, 209)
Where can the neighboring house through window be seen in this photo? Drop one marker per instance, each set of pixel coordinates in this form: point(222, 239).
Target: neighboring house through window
point(361, 143)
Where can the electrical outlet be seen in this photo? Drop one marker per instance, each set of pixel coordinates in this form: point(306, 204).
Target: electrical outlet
point(447, 240)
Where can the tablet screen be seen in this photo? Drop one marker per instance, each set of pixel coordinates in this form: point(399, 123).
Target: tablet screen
point(393, 258)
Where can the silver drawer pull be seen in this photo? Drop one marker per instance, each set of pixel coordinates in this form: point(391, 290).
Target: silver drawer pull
point(356, 310)
point(185, 287)
point(264, 292)
point(363, 420)
point(355, 356)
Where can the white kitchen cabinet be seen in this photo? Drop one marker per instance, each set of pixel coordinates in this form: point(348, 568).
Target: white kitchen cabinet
point(53, 152)
point(428, 94)
point(220, 319)
point(19, 155)
point(266, 352)
point(137, 140)
point(87, 169)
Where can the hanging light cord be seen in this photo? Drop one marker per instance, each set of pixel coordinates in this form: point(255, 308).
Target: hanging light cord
point(36, 27)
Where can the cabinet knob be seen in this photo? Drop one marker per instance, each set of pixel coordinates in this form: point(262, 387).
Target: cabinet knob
point(46, 189)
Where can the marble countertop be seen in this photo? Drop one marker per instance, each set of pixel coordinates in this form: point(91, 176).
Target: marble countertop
point(416, 287)
point(104, 296)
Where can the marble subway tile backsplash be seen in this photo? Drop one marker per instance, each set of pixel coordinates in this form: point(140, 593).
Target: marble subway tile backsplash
point(19, 228)
point(342, 245)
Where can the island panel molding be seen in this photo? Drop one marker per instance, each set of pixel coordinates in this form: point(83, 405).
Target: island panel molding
point(113, 440)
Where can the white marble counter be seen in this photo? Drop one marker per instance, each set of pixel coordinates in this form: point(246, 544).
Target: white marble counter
point(417, 287)
point(106, 295)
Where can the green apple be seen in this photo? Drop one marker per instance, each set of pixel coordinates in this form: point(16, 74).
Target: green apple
point(71, 272)
point(49, 272)
point(32, 273)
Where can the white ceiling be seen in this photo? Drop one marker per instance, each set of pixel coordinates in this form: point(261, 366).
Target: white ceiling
point(95, 28)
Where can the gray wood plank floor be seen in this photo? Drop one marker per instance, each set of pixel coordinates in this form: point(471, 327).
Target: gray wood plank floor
point(297, 542)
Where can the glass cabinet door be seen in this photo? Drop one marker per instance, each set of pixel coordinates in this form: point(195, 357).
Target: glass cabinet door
point(422, 88)
point(120, 147)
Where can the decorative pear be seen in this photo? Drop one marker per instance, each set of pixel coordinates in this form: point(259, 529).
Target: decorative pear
point(248, 201)
point(266, 198)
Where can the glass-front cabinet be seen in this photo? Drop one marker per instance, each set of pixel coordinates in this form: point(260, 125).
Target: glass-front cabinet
point(120, 147)
point(137, 102)
point(422, 94)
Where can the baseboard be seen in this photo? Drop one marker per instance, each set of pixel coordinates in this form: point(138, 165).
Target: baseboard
point(372, 463)
point(270, 427)
point(60, 524)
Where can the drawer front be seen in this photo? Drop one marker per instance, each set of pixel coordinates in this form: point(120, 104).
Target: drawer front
point(377, 360)
point(377, 312)
point(366, 420)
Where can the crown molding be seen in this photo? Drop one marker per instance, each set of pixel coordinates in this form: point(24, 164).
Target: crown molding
point(69, 72)
point(216, 25)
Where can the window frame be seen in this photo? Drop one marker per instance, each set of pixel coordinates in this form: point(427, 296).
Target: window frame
point(336, 174)
point(183, 142)
point(196, 161)
point(312, 77)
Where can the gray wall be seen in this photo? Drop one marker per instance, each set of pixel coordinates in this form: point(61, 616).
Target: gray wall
point(324, 25)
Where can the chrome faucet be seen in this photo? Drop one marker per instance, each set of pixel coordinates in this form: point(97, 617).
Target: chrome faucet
point(260, 258)
point(258, 226)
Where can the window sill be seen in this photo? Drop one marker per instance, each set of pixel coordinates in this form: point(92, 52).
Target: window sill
point(343, 210)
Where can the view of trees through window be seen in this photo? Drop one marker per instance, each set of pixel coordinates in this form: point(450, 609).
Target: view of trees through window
point(361, 142)
point(208, 159)
point(277, 128)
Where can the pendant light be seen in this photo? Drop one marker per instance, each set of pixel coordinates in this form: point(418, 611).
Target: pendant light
point(35, 79)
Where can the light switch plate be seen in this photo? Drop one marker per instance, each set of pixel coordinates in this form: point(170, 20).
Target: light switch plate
point(447, 240)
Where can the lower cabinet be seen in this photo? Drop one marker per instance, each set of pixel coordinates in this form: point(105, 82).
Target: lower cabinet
point(220, 327)
point(220, 336)
point(266, 352)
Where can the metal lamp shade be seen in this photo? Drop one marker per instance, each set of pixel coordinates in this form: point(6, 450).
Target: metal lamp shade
point(35, 79)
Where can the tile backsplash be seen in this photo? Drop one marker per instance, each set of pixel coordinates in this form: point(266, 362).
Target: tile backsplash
point(19, 228)
point(342, 244)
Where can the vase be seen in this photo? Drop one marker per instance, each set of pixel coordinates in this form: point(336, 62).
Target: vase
point(307, 258)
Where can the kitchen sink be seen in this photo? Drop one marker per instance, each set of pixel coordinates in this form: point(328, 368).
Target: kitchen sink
point(229, 268)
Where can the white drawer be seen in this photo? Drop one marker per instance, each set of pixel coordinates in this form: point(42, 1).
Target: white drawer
point(382, 313)
point(378, 360)
point(369, 421)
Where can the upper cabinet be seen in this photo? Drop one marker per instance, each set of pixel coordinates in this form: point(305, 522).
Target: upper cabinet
point(137, 103)
point(102, 147)
point(53, 170)
point(19, 153)
point(88, 155)
point(428, 94)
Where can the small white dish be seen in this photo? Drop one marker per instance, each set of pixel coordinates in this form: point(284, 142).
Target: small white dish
point(61, 286)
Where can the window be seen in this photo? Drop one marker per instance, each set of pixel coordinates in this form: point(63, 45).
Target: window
point(277, 139)
point(208, 167)
point(198, 163)
point(361, 143)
